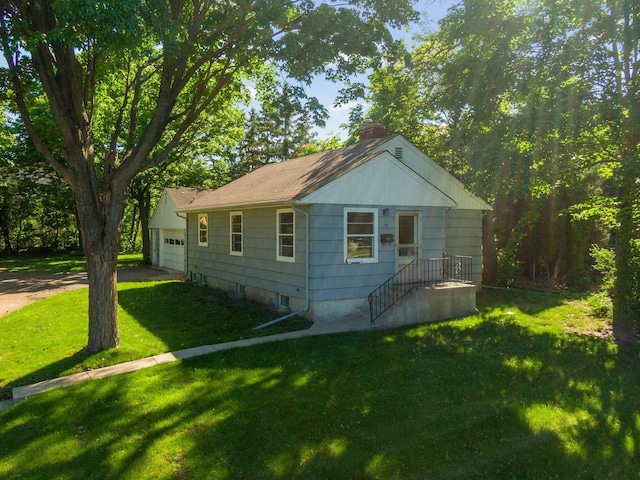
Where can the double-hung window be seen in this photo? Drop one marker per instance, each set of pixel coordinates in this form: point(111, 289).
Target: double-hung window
point(361, 231)
point(203, 230)
point(235, 233)
point(286, 235)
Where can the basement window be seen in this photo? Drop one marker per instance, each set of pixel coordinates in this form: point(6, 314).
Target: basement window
point(284, 301)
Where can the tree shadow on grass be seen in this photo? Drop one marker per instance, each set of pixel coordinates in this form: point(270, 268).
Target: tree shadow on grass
point(183, 315)
point(528, 301)
point(495, 400)
point(164, 317)
point(53, 370)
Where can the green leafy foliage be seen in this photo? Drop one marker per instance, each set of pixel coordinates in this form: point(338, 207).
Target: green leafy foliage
point(604, 262)
point(520, 102)
point(601, 304)
point(280, 129)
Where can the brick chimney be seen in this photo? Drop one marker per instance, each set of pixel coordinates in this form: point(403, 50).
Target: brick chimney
point(370, 130)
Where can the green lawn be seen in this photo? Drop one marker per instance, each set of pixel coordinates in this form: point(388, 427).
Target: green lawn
point(46, 339)
point(58, 263)
point(514, 392)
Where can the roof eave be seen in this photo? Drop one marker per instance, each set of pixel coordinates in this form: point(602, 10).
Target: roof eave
point(240, 206)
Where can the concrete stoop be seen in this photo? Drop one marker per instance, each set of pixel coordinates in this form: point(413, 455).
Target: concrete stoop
point(431, 304)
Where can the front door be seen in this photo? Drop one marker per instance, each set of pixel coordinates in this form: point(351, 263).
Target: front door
point(409, 238)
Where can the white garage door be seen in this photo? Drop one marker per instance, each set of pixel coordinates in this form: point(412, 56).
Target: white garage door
point(172, 249)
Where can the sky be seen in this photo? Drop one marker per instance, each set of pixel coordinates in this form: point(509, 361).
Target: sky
point(430, 12)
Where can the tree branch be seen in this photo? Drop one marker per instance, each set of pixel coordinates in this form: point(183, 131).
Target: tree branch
point(19, 98)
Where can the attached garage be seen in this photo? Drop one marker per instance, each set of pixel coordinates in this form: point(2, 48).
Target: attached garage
point(168, 227)
point(172, 249)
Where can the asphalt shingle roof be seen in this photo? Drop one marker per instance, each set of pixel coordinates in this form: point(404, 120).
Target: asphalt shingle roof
point(287, 181)
point(183, 196)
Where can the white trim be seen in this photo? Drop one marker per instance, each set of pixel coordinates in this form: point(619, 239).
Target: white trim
point(237, 253)
point(279, 257)
point(417, 214)
point(205, 242)
point(374, 243)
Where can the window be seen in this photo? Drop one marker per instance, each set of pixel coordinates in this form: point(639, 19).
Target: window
point(203, 230)
point(174, 241)
point(283, 300)
point(361, 230)
point(286, 235)
point(236, 233)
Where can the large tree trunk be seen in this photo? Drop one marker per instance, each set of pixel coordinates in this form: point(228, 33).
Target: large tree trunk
point(144, 203)
point(103, 298)
point(101, 226)
point(625, 317)
point(489, 254)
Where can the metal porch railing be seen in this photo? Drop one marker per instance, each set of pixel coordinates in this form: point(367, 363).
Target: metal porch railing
point(431, 271)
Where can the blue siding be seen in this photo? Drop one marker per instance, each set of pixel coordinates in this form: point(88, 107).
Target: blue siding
point(333, 279)
point(458, 232)
point(257, 267)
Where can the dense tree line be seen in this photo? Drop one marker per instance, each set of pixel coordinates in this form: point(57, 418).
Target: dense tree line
point(535, 105)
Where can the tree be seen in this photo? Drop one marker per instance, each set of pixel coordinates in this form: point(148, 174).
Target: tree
point(184, 56)
point(619, 27)
point(199, 161)
point(533, 104)
point(36, 211)
point(280, 128)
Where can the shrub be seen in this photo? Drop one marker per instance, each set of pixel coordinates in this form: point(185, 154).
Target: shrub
point(601, 305)
point(604, 262)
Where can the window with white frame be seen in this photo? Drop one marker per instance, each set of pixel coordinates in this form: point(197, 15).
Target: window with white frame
point(361, 231)
point(235, 232)
point(286, 235)
point(203, 229)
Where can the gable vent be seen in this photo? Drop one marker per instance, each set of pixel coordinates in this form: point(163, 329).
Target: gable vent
point(398, 153)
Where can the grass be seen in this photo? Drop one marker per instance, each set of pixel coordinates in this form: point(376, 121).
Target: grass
point(46, 339)
point(58, 263)
point(515, 392)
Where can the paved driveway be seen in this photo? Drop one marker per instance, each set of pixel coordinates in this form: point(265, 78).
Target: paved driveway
point(20, 289)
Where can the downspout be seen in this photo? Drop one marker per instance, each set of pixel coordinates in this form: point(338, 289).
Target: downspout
point(307, 275)
point(186, 243)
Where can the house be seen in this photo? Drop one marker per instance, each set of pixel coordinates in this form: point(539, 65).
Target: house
point(317, 234)
point(168, 228)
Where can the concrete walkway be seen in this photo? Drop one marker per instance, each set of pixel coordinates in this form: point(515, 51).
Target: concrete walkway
point(343, 325)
